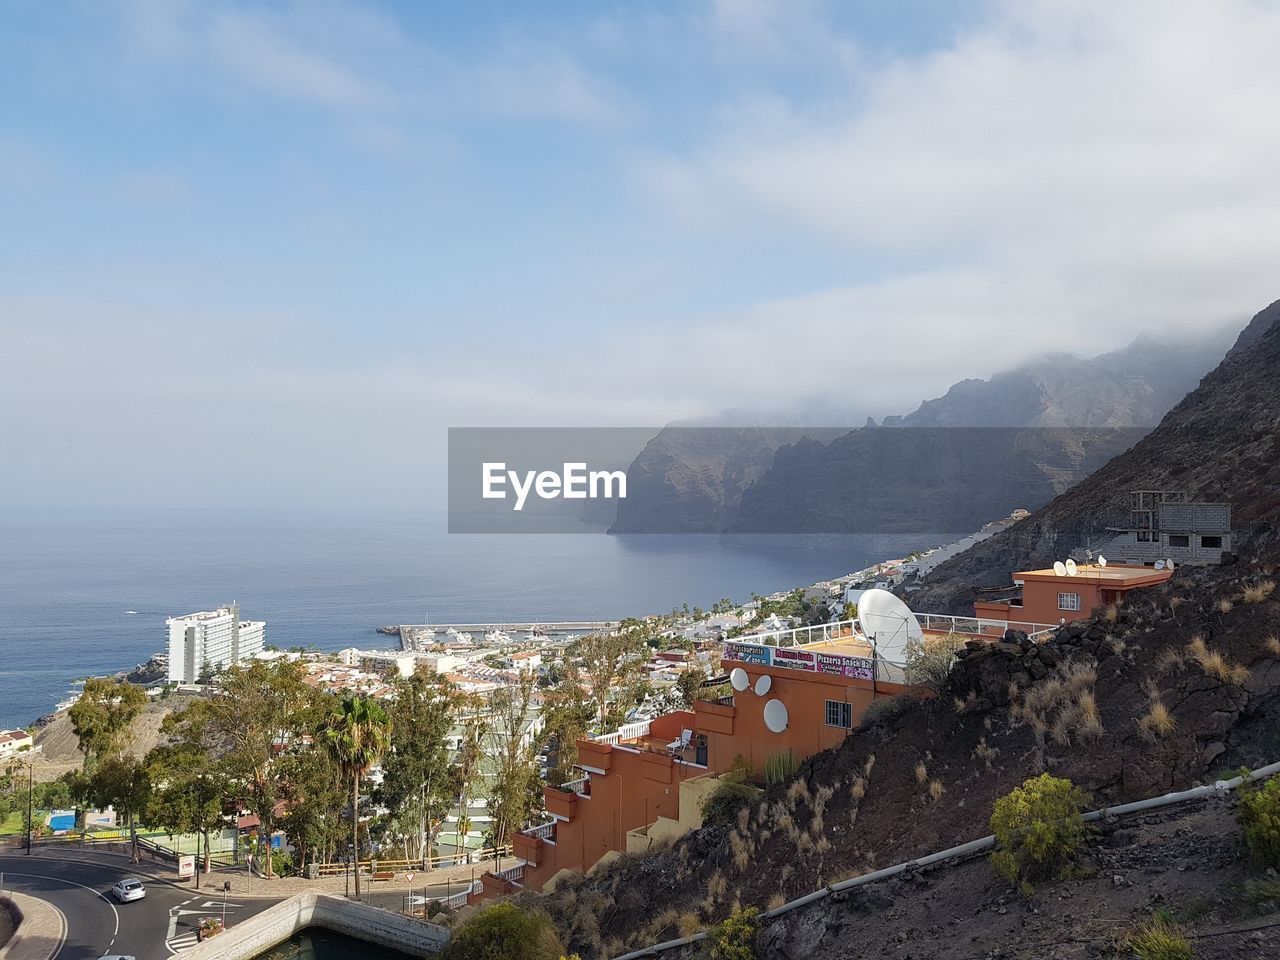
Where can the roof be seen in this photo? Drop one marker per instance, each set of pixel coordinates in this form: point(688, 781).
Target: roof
point(1119, 576)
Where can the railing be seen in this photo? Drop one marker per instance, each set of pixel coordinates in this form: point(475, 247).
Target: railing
point(981, 627)
point(797, 636)
point(576, 785)
point(511, 873)
point(628, 731)
point(447, 860)
point(543, 831)
point(459, 900)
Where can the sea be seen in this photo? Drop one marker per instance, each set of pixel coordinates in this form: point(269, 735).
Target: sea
point(86, 593)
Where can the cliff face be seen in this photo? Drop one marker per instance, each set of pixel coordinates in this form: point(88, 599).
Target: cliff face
point(1220, 443)
point(796, 480)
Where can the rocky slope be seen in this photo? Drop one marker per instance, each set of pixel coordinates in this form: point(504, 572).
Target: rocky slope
point(713, 478)
point(1221, 442)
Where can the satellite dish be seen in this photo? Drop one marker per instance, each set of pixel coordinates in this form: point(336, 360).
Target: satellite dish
point(1059, 568)
point(1102, 561)
point(888, 622)
point(763, 685)
point(775, 716)
point(1072, 569)
point(1168, 565)
point(1159, 564)
point(738, 677)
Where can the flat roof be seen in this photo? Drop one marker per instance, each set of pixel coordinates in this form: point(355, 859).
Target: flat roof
point(1120, 575)
point(853, 646)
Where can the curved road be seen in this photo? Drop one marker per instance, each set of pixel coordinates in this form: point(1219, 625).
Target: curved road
point(151, 929)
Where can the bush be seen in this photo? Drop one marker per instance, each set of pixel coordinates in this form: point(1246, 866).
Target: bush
point(1159, 939)
point(735, 938)
point(504, 932)
point(1038, 828)
point(780, 767)
point(723, 804)
point(883, 711)
point(1259, 815)
point(928, 661)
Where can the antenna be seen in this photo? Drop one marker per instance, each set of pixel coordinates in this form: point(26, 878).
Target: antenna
point(1102, 561)
point(763, 684)
point(1168, 565)
point(1072, 569)
point(1159, 564)
point(1059, 568)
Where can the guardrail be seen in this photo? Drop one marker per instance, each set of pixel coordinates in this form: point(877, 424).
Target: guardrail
point(982, 627)
point(542, 831)
point(575, 785)
point(628, 731)
point(459, 900)
point(430, 863)
point(510, 873)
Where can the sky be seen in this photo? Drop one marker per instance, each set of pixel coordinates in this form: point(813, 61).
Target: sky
point(264, 254)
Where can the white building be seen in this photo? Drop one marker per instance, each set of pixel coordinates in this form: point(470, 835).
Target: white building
point(14, 741)
point(210, 641)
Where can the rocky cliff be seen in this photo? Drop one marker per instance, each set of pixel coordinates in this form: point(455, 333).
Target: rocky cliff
point(794, 479)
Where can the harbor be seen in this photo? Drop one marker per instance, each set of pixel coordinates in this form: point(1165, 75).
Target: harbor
point(418, 636)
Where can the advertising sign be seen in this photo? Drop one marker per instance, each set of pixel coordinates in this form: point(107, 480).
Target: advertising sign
point(186, 866)
point(793, 659)
point(748, 653)
point(841, 666)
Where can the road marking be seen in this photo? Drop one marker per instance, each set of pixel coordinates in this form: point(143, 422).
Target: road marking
point(96, 893)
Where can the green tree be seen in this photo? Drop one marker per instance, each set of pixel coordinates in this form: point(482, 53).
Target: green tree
point(189, 787)
point(357, 733)
point(122, 782)
point(689, 685)
point(416, 785)
point(567, 715)
point(512, 749)
point(315, 795)
point(504, 931)
point(466, 768)
point(102, 715)
point(609, 662)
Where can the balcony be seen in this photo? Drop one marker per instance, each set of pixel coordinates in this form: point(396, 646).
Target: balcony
point(560, 803)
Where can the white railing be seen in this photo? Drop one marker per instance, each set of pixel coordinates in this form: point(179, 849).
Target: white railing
point(542, 831)
point(575, 785)
point(982, 627)
point(629, 731)
point(511, 873)
point(459, 900)
point(796, 636)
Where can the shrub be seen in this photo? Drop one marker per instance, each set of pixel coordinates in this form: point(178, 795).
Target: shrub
point(1038, 828)
point(722, 805)
point(1159, 939)
point(928, 661)
point(1159, 722)
point(883, 711)
point(504, 932)
point(735, 937)
point(1259, 814)
point(780, 767)
point(1257, 592)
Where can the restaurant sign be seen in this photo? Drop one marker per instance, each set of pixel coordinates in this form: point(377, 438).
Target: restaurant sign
point(832, 664)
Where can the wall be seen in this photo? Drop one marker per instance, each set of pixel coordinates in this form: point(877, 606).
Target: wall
point(39, 928)
point(276, 924)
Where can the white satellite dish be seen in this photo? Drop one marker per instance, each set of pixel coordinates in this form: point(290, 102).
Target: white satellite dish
point(1072, 569)
point(1059, 568)
point(1102, 561)
point(1168, 565)
point(738, 677)
point(763, 685)
point(1159, 564)
point(775, 715)
point(888, 623)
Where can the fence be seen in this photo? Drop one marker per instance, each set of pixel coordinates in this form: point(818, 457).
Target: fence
point(542, 831)
point(430, 863)
point(628, 731)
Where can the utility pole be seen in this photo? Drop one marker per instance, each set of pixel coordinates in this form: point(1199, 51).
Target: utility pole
point(31, 774)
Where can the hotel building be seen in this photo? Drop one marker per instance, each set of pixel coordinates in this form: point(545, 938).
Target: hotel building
point(210, 641)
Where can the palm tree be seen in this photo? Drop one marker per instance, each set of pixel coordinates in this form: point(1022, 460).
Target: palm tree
point(357, 734)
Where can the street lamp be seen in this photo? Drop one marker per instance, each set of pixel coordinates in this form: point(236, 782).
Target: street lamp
point(31, 774)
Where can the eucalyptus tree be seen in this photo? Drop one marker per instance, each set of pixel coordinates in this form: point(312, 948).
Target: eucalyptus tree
point(102, 716)
point(513, 745)
point(357, 733)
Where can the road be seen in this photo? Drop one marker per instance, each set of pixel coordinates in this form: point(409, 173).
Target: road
point(152, 929)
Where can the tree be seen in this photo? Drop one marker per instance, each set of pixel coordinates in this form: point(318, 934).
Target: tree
point(513, 746)
point(567, 713)
point(688, 686)
point(122, 782)
point(356, 734)
point(466, 768)
point(314, 793)
point(416, 784)
point(102, 715)
point(609, 660)
point(260, 710)
point(189, 786)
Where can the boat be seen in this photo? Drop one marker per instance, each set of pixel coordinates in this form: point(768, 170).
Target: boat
point(496, 638)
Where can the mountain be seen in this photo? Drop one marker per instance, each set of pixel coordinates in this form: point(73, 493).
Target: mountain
point(791, 478)
point(1219, 443)
point(921, 774)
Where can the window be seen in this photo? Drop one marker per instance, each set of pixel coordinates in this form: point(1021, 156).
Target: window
point(1179, 540)
point(1213, 543)
point(1144, 536)
point(1068, 601)
point(839, 714)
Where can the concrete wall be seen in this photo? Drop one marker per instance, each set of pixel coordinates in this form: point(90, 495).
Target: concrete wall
point(40, 928)
point(276, 924)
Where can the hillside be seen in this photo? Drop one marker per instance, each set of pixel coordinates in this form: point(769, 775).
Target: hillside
point(60, 752)
point(922, 774)
point(798, 479)
point(1219, 443)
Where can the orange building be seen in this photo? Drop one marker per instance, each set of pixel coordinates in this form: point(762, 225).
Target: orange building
point(1050, 598)
point(647, 781)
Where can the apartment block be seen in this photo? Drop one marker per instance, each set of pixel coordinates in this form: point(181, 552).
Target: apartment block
point(211, 641)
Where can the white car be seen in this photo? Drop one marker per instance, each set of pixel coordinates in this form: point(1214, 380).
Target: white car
point(128, 890)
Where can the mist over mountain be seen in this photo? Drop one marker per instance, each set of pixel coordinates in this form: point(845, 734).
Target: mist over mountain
point(779, 474)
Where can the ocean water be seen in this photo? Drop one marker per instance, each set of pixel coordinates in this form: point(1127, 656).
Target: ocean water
point(68, 580)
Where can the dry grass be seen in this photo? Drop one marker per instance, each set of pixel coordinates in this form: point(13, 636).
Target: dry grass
point(798, 793)
point(857, 789)
point(986, 753)
point(689, 923)
point(742, 849)
point(936, 790)
point(922, 773)
point(775, 902)
point(1110, 613)
point(1158, 722)
point(1225, 605)
point(1170, 659)
point(1273, 645)
point(1214, 664)
point(717, 886)
point(1257, 592)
